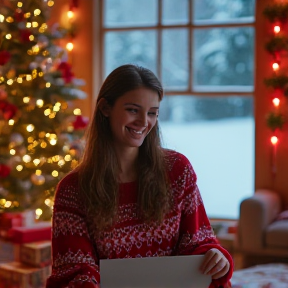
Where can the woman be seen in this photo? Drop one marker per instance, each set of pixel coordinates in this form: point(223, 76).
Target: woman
point(129, 197)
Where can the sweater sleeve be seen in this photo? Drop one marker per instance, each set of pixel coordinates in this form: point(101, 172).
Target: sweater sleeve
point(196, 235)
point(74, 259)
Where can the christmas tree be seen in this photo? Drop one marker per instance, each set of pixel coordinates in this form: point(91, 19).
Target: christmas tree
point(40, 129)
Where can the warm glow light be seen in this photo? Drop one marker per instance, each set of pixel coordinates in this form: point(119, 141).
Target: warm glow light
point(8, 36)
point(50, 3)
point(12, 151)
point(27, 15)
point(2, 18)
point(53, 142)
point(40, 103)
point(77, 111)
point(26, 100)
point(277, 29)
point(11, 122)
point(276, 102)
point(70, 14)
point(275, 66)
point(37, 12)
point(38, 212)
point(274, 140)
point(19, 168)
point(56, 108)
point(38, 172)
point(55, 173)
point(8, 204)
point(10, 82)
point(28, 25)
point(26, 158)
point(47, 112)
point(31, 37)
point(68, 157)
point(48, 85)
point(61, 163)
point(28, 77)
point(30, 127)
point(35, 49)
point(9, 19)
point(19, 80)
point(36, 162)
point(19, 4)
point(69, 46)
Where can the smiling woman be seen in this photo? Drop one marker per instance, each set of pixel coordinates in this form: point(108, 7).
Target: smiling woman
point(129, 197)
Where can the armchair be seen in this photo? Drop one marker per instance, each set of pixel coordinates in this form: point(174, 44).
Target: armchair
point(258, 233)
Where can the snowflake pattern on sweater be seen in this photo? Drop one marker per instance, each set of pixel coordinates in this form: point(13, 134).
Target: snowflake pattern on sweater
point(184, 231)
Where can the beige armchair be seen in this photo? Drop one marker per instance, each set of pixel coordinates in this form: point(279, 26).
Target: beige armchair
point(258, 233)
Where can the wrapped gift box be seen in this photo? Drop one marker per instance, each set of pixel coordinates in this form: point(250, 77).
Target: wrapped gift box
point(10, 220)
point(37, 254)
point(18, 275)
point(38, 232)
point(9, 251)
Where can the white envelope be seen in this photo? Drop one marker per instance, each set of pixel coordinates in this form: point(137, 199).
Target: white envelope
point(153, 272)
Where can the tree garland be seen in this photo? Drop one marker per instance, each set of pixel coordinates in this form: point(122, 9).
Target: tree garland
point(277, 14)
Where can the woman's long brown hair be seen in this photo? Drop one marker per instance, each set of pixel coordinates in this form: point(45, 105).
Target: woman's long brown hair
point(99, 169)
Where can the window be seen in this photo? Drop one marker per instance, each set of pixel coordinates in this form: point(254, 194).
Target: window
point(203, 53)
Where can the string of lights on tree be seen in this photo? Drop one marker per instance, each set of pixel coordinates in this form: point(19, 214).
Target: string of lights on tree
point(40, 129)
point(277, 46)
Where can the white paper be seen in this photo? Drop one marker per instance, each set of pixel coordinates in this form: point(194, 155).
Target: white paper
point(153, 272)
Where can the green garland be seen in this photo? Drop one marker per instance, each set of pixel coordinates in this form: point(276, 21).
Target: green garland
point(276, 12)
point(277, 44)
point(275, 120)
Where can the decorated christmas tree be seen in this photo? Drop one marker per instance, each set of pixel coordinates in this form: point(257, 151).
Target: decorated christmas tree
point(40, 127)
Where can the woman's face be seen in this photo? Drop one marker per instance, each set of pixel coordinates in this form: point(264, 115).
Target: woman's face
point(132, 117)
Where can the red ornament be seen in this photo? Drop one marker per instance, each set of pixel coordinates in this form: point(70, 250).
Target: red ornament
point(80, 122)
point(19, 16)
point(4, 170)
point(65, 69)
point(4, 57)
point(7, 109)
point(24, 35)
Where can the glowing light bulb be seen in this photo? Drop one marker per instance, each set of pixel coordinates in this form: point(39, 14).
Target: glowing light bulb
point(8, 36)
point(40, 103)
point(31, 37)
point(30, 127)
point(19, 4)
point(8, 204)
point(77, 111)
point(11, 122)
point(2, 18)
point(12, 151)
point(48, 85)
point(276, 102)
point(10, 82)
point(28, 77)
point(53, 142)
point(277, 29)
point(275, 66)
point(37, 12)
point(68, 158)
point(38, 212)
point(36, 162)
point(274, 140)
point(70, 14)
point(55, 173)
point(19, 168)
point(69, 46)
point(26, 100)
point(26, 158)
point(38, 172)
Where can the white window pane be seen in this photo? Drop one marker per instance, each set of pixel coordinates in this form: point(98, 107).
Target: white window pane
point(175, 12)
point(123, 13)
point(223, 57)
point(174, 64)
point(221, 10)
point(218, 139)
point(134, 47)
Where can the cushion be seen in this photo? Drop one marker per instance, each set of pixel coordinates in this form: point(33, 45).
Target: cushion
point(277, 234)
point(282, 216)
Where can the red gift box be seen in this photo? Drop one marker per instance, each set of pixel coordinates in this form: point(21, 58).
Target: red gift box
point(37, 232)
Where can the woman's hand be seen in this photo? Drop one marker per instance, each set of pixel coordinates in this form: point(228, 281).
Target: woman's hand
point(215, 264)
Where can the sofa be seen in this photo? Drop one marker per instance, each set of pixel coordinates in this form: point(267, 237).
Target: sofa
point(263, 227)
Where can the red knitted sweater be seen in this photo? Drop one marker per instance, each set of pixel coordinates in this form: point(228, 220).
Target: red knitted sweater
point(184, 231)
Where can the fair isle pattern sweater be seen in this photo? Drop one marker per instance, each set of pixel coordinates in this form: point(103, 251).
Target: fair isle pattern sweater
point(184, 231)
